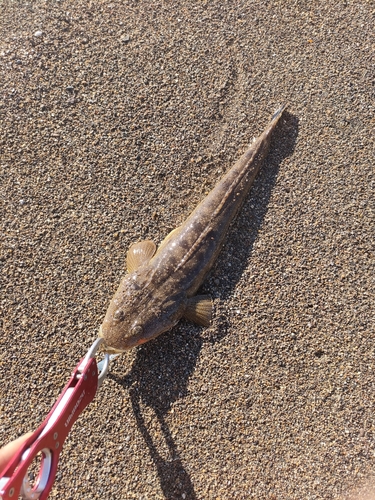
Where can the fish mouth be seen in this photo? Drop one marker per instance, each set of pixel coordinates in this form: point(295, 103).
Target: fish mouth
point(108, 349)
point(111, 350)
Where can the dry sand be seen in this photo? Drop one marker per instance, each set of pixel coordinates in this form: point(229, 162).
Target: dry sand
point(117, 118)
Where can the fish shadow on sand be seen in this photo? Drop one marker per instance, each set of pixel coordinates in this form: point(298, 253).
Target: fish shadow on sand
point(158, 378)
point(243, 232)
point(160, 373)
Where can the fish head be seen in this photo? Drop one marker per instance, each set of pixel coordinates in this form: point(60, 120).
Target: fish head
point(137, 315)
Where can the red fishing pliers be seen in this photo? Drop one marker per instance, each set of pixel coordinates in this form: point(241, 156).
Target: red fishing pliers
point(48, 439)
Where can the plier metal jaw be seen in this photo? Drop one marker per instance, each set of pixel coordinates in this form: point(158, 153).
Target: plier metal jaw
point(49, 438)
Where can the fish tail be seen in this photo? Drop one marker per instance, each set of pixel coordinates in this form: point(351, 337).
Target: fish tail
point(277, 114)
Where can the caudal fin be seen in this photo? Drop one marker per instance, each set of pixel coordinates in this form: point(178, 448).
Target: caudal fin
point(278, 113)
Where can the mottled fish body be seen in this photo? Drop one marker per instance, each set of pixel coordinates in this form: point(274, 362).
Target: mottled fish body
point(160, 286)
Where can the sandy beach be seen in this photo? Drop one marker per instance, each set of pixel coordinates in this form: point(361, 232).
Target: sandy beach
point(116, 119)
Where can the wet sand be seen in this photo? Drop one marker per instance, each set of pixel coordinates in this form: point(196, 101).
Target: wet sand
point(117, 118)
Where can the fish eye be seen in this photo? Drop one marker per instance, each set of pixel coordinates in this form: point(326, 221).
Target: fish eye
point(118, 315)
point(137, 330)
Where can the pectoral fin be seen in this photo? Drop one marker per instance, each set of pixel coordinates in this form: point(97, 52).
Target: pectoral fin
point(199, 310)
point(139, 253)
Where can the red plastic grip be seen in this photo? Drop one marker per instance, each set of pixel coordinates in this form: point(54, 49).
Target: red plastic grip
point(51, 434)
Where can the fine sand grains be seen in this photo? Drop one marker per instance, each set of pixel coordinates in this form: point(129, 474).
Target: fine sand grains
point(116, 119)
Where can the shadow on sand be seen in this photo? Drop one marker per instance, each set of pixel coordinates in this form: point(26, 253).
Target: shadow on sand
point(162, 368)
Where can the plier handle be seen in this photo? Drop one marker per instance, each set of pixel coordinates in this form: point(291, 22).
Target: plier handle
point(49, 438)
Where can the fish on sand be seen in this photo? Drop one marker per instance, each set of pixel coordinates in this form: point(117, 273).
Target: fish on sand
point(161, 284)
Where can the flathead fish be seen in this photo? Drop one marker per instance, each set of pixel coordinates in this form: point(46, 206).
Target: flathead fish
point(161, 284)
